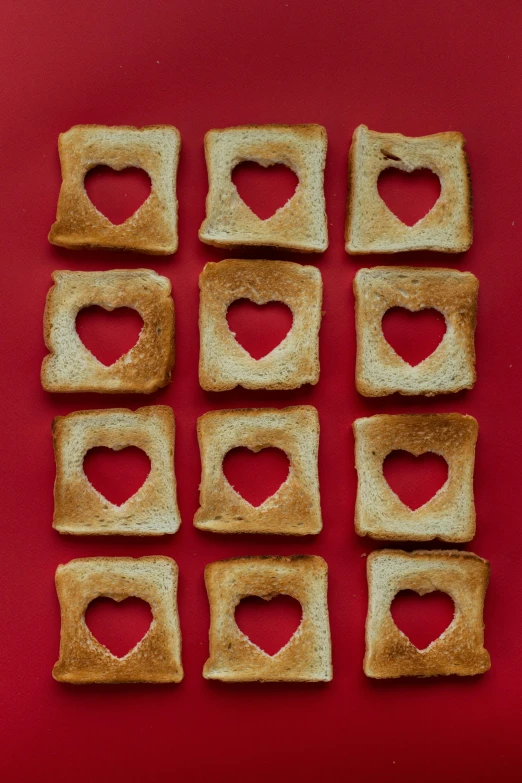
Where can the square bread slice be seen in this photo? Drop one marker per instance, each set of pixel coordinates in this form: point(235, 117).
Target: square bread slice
point(460, 648)
point(153, 228)
point(451, 366)
point(71, 367)
point(306, 657)
point(295, 508)
point(223, 362)
point(298, 225)
point(450, 513)
point(371, 227)
point(83, 659)
point(79, 509)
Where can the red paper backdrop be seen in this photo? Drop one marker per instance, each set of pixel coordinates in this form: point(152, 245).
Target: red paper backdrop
point(414, 67)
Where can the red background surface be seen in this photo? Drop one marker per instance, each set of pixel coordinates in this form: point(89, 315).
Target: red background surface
point(414, 67)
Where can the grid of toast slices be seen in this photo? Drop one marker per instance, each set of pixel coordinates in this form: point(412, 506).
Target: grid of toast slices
point(300, 226)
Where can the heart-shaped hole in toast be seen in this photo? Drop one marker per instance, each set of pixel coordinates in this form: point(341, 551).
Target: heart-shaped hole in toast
point(256, 476)
point(117, 475)
point(409, 195)
point(119, 626)
point(413, 335)
point(264, 189)
point(259, 328)
point(108, 334)
point(415, 480)
point(117, 194)
point(269, 624)
point(422, 618)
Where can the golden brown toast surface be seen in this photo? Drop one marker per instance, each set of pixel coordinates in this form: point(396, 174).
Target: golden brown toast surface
point(153, 228)
point(71, 367)
point(298, 225)
point(371, 227)
point(223, 362)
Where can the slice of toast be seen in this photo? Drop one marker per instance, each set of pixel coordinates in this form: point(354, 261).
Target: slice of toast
point(83, 659)
point(153, 228)
point(371, 227)
point(451, 367)
point(460, 648)
point(71, 367)
point(450, 513)
point(298, 225)
point(223, 362)
point(79, 509)
point(295, 508)
point(306, 657)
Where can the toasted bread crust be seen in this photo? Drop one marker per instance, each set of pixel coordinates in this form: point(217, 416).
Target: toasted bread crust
point(450, 514)
point(371, 227)
point(223, 362)
point(71, 367)
point(451, 367)
point(79, 509)
point(460, 648)
point(233, 657)
point(295, 507)
point(156, 658)
point(301, 223)
point(153, 227)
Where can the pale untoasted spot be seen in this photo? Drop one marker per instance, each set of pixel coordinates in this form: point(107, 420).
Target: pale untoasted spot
point(450, 514)
point(460, 648)
point(223, 362)
point(301, 223)
point(306, 657)
point(451, 367)
point(295, 508)
point(371, 227)
point(71, 367)
point(153, 228)
point(79, 509)
point(156, 658)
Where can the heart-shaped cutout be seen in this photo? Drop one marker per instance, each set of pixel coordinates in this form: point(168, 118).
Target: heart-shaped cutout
point(108, 334)
point(119, 626)
point(409, 195)
point(117, 475)
point(264, 189)
point(413, 335)
point(415, 479)
point(422, 618)
point(259, 328)
point(269, 624)
point(117, 194)
point(256, 476)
